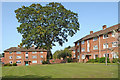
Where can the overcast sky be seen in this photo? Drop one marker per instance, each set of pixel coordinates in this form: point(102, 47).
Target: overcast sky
point(92, 16)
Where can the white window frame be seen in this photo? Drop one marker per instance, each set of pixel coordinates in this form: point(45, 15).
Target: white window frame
point(104, 36)
point(114, 45)
point(95, 47)
point(82, 42)
point(41, 52)
point(18, 61)
point(10, 57)
point(78, 44)
point(34, 61)
point(73, 51)
point(78, 50)
point(113, 34)
point(18, 57)
point(34, 57)
point(34, 52)
point(95, 38)
point(10, 52)
point(114, 55)
point(82, 49)
point(104, 45)
point(41, 56)
point(18, 52)
point(10, 62)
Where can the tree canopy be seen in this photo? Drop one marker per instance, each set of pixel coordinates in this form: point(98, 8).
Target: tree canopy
point(45, 25)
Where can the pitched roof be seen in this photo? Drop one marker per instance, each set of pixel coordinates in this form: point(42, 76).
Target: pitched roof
point(23, 49)
point(72, 48)
point(101, 32)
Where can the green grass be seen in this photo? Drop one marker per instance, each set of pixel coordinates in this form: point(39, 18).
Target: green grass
point(69, 70)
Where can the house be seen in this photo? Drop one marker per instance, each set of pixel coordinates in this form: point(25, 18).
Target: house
point(98, 44)
point(73, 52)
point(23, 56)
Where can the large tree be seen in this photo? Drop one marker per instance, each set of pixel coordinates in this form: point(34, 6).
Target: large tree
point(45, 25)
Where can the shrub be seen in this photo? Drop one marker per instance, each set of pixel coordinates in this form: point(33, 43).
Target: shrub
point(102, 60)
point(69, 60)
point(45, 62)
point(14, 64)
point(97, 59)
point(91, 61)
point(8, 64)
point(116, 60)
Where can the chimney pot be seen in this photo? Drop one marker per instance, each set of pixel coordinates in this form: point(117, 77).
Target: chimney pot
point(104, 26)
point(91, 32)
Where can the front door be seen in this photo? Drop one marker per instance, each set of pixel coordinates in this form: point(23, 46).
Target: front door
point(26, 63)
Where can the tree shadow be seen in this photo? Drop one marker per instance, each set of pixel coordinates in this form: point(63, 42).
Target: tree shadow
point(26, 77)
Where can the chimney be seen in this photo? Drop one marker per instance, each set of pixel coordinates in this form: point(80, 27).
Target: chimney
point(19, 46)
point(104, 26)
point(91, 32)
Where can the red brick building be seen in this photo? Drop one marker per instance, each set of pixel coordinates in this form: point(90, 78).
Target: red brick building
point(98, 44)
point(73, 52)
point(23, 56)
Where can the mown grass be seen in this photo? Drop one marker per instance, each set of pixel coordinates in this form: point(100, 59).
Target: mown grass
point(69, 70)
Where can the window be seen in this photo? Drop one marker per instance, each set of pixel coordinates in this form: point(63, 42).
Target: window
point(41, 56)
point(105, 36)
point(34, 57)
point(88, 46)
point(114, 44)
point(95, 47)
point(95, 56)
point(82, 42)
point(78, 50)
point(83, 49)
point(78, 57)
point(34, 52)
point(115, 55)
point(41, 61)
point(10, 62)
point(18, 57)
point(105, 45)
point(83, 56)
point(95, 38)
point(18, 52)
point(41, 52)
point(78, 43)
point(74, 55)
point(18, 62)
point(10, 52)
point(10, 57)
point(34, 61)
point(74, 51)
point(113, 34)
point(105, 55)
point(26, 57)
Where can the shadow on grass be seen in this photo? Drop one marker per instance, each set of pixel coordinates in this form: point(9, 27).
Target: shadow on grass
point(26, 77)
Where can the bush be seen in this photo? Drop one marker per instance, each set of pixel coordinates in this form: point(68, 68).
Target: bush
point(116, 60)
point(91, 61)
point(8, 64)
point(45, 62)
point(102, 60)
point(14, 64)
point(69, 60)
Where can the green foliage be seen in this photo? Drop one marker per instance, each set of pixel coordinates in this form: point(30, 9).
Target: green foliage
point(64, 53)
point(91, 61)
point(8, 64)
point(102, 60)
point(116, 60)
point(43, 26)
point(55, 54)
point(69, 60)
point(45, 62)
point(14, 64)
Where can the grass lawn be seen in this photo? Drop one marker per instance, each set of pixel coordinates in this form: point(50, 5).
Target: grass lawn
point(69, 70)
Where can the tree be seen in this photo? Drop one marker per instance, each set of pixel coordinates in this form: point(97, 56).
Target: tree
point(64, 53)
point(55, 54)
point(45, 25)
